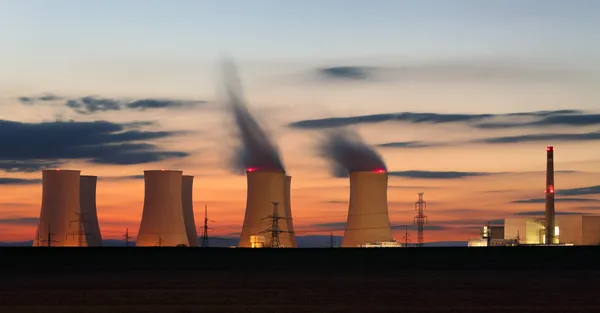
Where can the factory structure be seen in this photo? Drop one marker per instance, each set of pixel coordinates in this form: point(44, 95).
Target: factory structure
point(550, 229)
point(68, 213)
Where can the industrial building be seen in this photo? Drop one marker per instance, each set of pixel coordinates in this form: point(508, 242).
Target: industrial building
point(60, 222)
point(89, 215)
point(368, 220)
point(162, 222)
point(187, 201)
point(266, 187)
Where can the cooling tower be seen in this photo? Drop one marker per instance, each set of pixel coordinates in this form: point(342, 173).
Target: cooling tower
point(264, 187)
point(550, 195)
point(368, 219)
point(59, 214)
point(162, 219)
point(89, 215)
point(289, 225)
point(187, 188)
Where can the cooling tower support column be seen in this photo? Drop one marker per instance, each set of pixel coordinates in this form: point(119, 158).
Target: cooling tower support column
point(550, 238)
point(187, 188)
point(264, 187)
point(162, 219)
point(60, 206)
point(368, 219)
point(89, 213)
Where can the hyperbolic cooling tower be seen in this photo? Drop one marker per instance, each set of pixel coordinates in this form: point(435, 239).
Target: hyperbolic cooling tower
point(89, 215)
point(368, 219)
point(162, 219)
point(187, 188)
point(59, 214)
point(265, 187)
point(288, 213)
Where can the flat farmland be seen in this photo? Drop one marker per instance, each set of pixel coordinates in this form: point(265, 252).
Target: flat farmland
point(300, 280)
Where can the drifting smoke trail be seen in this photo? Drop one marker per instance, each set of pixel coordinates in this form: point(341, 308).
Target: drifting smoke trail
point(346, 152)
point(255, 149)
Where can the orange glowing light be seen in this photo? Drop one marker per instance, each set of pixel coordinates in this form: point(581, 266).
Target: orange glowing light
point(379, 171)
point(250, 169)
point(549, 148)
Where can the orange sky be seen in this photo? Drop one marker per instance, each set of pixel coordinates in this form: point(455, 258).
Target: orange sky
point(460, 205)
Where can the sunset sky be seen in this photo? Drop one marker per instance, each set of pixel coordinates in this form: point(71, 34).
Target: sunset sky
point(115, 87)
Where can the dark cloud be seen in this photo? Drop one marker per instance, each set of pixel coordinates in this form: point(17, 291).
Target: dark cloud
point(27, 166)
point(418, 118)
point(255, 149)
point(94, 104)
point(543, 200)
point(32, 145)
point(542, 137)
point(128, 177)
point(43, 98)
point(437, 175)
point(542, 213)
point(591, 190)
point(346, 152)
point(409, 144)
point(18, 181)
point(480, 71)
point(20, 220)
point(563, 119)
point(347, 72)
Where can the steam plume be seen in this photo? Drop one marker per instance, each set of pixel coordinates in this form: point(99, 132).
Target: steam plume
point(347, 152)
point(255, 149)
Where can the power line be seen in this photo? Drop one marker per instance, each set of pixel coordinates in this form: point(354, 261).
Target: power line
point(406, 237)
point(49, 241)
point(274, 230)
point(420, 219)
point(80, 229)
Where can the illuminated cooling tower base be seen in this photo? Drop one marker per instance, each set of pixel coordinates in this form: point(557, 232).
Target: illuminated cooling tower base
point(368, 220)
point(162, 219)
point(264, 188)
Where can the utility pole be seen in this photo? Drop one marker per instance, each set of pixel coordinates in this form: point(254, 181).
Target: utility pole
point(274, 230)
point(49, 240)
point(80, 231)
point(126, 236)
point(420, 219)
point(406, 237)
point(205, 228)
point(331, 240)
point(160, 241)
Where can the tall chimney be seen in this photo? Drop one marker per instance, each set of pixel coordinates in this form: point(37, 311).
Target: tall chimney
point(368, 219)
point(549, 195)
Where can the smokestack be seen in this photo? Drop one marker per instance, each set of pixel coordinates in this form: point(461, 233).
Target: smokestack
point(187, 187)
point(550, 195)
point(289, 225)
point(264, 187)
point(368, 219)
point(162, 219)
point(60, 206)
point(89, 215)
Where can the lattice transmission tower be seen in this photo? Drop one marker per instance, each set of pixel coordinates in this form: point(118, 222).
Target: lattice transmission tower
point(205, 228)
point(81, 234)
point(421, 218)
point(274, 230)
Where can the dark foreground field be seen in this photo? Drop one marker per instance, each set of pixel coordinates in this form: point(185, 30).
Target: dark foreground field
point(523, 279)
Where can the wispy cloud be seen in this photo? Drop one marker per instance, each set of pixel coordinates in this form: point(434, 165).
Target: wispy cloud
point(99, 142)
point(20, 220)
point(411, 144)
point(342, 226)
point(541, 213)
point(543, 200)
point(18, 181)
point(94, 104)
point(558, 120)
point(542, 137)
point(437, 175)
point(480, 71)
point(591, 190)
point(425, 118)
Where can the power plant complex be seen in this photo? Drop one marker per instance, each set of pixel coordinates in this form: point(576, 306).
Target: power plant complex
point(68, 215)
